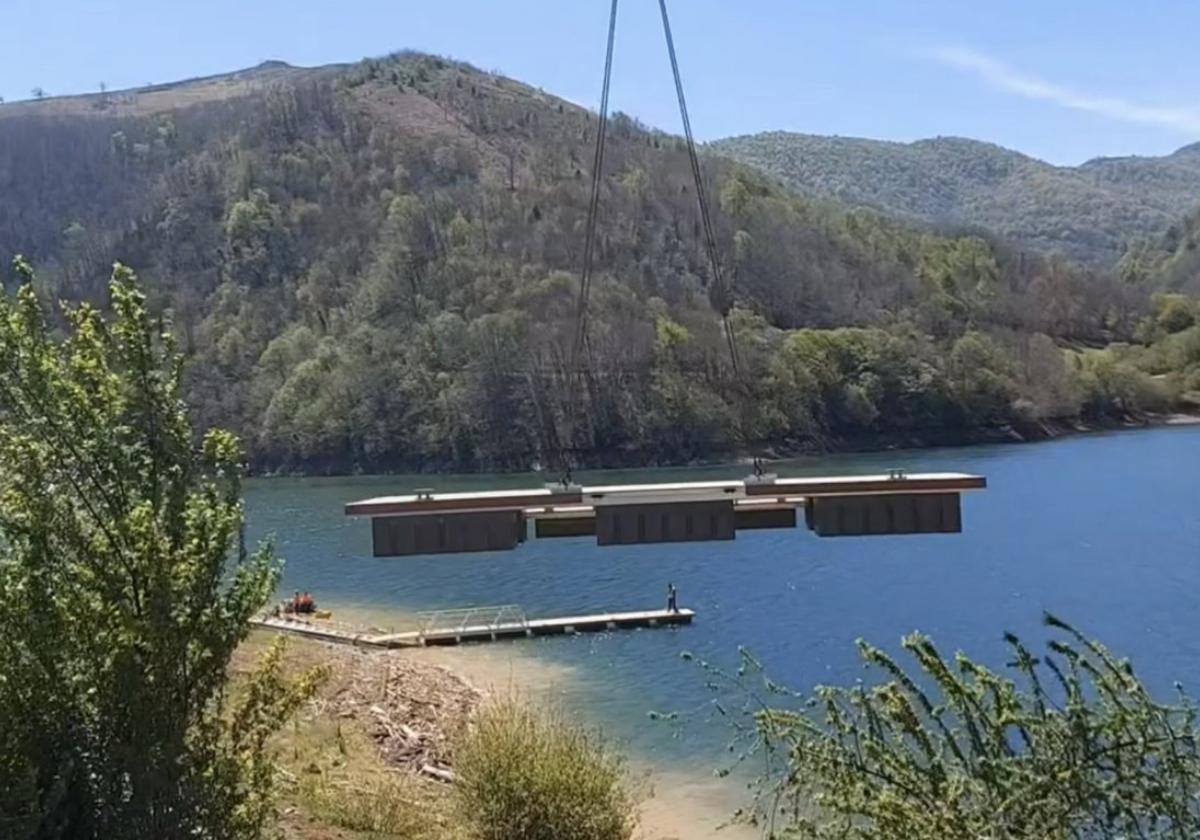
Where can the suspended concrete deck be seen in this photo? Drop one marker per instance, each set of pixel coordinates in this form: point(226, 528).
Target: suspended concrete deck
point(480, 630)
point(834, 506)
point(558, 497)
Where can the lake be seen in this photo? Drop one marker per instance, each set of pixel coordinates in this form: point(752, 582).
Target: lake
point(1102, 529)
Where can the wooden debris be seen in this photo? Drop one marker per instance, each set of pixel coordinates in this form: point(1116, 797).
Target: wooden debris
point(412, 710)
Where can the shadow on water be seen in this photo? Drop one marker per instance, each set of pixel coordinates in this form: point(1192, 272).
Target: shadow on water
point(1103, 530)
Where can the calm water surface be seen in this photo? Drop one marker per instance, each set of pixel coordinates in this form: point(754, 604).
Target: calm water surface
point(1103, 530)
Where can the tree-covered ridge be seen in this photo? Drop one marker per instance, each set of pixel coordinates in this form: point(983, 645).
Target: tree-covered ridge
point(376, 268)
point(1089, 213)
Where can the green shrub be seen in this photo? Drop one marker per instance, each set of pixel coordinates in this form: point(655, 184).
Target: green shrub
point(1175, 313)
point(524, 774)
point(1064, 744)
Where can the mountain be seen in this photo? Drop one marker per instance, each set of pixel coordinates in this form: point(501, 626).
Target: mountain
point(376, 266)
point(1089, 213)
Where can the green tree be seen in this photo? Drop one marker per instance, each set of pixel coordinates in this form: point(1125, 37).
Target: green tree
point(252, 235)
point(735, 197)
point(981, 380)
point(858, 407)
point(670, 337)
point(1113, 387)
point(126, 586)
point(1175, 313)
point(1073, 747)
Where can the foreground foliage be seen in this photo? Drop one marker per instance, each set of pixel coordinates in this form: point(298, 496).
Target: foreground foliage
point(524, 774)
point(1073, 747)
point(125, 586)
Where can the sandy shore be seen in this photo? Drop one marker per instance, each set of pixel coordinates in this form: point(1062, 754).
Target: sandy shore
point(677, 805)
point(1181, 420)
point(692, 806)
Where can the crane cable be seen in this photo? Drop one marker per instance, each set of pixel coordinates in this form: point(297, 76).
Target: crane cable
point(574, 373)
point(723, 293)
point(589, 247)
point(724, 302)
point(722, 290)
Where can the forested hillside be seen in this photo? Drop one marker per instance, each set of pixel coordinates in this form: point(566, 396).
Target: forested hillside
point(376, 267)
point(1090, 213)
point(1171, 260)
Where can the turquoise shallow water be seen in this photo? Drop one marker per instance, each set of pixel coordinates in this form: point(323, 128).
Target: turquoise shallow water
point(1102, 529)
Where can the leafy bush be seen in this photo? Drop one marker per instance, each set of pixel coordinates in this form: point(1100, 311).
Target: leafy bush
point(125, 586)
point(1175, 313)
point(525, 774)
point(1073, 746)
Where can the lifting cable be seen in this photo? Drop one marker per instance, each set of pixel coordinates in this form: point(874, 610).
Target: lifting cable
point(574, 373)
point(589, 247)
point(724, 302)
point(721, 294)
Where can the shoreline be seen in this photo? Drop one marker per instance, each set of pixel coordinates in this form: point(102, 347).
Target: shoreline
point(677, 805)
point(1039, 431)
point(409, 704)
point(1033, 432)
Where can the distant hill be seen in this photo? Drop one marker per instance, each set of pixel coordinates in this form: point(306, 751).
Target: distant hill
point(375, 266)
point(157, 98)
point(1089, 213)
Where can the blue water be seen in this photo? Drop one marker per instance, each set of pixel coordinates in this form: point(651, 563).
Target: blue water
point(1103, 530)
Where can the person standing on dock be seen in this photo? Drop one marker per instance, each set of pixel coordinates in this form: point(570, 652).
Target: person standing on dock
point(672, 598)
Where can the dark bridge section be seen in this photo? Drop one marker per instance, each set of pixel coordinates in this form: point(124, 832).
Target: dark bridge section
point(838, 506)
point(447, 533)
point(854, 516)
point(665, 522)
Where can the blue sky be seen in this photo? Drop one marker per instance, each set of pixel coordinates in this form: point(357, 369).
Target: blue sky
point(1064, 80)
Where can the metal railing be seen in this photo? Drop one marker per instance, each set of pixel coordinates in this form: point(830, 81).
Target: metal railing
point(449, 621)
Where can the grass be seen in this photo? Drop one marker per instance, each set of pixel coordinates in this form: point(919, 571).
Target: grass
point(528, 774)
point(523, 773)
point(332, 781)
point(333, 778)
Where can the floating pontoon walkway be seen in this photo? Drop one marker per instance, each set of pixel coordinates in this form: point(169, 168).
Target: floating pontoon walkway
point(514, 627)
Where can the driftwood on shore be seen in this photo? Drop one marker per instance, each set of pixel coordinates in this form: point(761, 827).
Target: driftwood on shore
point(411, 709)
